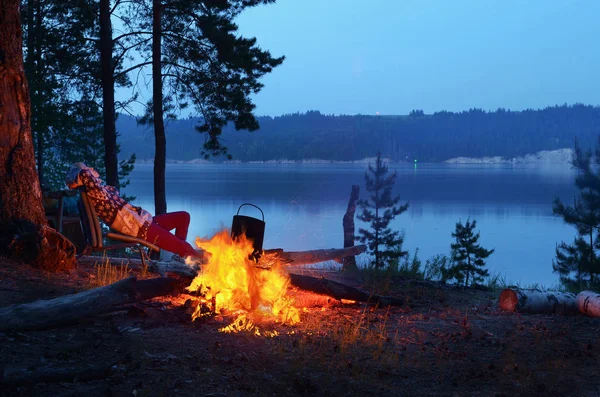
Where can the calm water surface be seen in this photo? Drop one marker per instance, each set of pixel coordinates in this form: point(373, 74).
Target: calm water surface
point(304, 204)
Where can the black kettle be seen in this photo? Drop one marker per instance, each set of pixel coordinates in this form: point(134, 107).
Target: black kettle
point(252, 228)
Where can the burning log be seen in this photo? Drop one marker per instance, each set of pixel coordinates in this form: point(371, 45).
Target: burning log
point(535, 301)
point(340, 291)
point(588, 303)
point(43, 314)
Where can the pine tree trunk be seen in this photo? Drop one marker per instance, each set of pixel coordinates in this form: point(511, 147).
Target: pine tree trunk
point(160, 140)
point(37, 54)
point(592, 255)
point(24, 234)
point(378, 263)
point(468, 269)
point(33, 29)
point(108, 95)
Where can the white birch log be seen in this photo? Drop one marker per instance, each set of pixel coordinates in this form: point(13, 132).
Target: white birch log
point(534, 301)
point(588, 303)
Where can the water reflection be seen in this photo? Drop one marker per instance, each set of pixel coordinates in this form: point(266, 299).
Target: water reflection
point(304, 206)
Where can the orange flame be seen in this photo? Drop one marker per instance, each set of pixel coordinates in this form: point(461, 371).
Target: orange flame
point(235, 283)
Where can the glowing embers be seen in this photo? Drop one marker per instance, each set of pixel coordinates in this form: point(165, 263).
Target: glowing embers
point(233, 284)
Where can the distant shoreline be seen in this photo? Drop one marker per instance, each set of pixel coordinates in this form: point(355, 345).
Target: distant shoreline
point(282, 161)
point(559, 156)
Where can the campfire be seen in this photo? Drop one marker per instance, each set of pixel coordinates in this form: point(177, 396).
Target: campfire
point(231, 283)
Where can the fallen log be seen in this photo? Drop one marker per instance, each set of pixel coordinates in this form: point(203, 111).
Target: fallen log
point(159, 267)
point(340, 291)
point(44, 314)
point(534, 301)
point(292, 258)
point(174, 267)
point(588, 303)
point(72, 374)
point(77, 373)
point(323, 255)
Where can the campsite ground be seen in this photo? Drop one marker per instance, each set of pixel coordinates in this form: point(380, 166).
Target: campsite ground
point(445, 341)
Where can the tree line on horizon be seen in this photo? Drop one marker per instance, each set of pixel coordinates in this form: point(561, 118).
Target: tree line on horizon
point(426, 138)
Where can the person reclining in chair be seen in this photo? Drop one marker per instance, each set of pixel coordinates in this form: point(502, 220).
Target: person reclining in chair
point(134, 221)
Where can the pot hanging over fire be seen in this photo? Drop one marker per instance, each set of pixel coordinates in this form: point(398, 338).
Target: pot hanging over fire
point(253, 228)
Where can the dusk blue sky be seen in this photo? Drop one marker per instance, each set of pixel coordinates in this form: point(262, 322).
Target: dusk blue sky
point(392, 56)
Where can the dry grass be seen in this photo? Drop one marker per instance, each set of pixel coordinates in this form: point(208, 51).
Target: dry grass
point(335, 336)
point(144, 270)
point(107, 273)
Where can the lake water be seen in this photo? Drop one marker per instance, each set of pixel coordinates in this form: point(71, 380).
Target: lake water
point(304, 204)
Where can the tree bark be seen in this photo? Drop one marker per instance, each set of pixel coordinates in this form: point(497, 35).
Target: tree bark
point(33, 34)
point(39, 97)
point(588, 303)
point(66, 309)
point(21, 196)
point(22, 217)
point(160, 140)
point(348, 224)
point(108, 95)
point(537, 302)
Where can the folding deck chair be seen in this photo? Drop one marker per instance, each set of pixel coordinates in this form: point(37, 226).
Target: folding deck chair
point(92, 231)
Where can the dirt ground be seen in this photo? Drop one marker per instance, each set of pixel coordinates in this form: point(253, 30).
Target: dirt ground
point(445, 341)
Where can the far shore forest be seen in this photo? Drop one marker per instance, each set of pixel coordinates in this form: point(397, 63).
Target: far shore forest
point(425, 137)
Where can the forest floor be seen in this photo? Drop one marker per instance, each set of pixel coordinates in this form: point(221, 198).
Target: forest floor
point(446, 341)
